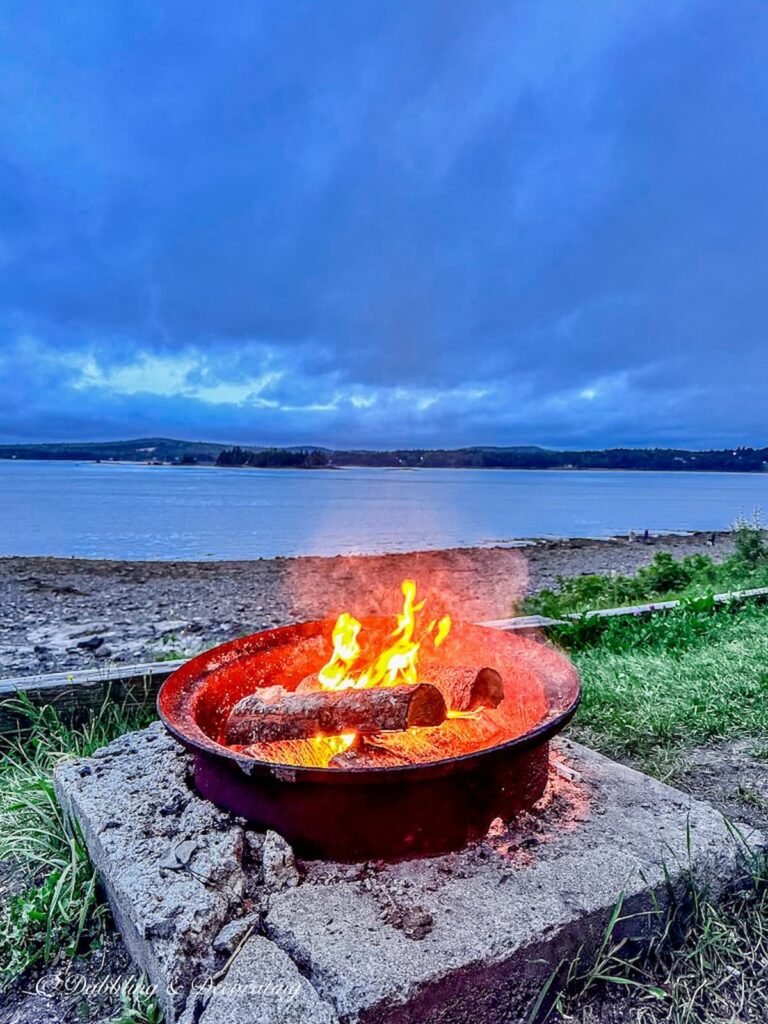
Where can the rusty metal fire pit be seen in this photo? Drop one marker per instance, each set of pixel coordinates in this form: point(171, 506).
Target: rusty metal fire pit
point(353, 815)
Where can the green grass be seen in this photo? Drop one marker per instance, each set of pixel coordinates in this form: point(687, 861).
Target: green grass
point(680, 678)
point(59, 910)
point(653, 688)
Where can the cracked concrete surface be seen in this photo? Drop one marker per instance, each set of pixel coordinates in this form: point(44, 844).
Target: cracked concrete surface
point(230, 929)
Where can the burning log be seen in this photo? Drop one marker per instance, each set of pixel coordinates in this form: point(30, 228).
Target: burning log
point(276, 714)
point(314, 753)
point(363, 754)
point(454, 737)
point(465, 688)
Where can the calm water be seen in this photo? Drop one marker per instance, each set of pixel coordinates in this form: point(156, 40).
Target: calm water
point(159, 512)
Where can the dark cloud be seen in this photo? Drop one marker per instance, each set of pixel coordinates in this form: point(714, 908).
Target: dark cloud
point(435, 223)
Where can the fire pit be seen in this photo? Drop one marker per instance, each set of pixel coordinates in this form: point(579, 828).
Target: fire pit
point(380, 738)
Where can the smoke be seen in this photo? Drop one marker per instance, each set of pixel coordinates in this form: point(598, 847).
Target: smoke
point(471, 585)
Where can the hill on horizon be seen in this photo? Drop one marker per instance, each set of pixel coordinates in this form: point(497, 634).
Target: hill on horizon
point(170, 450)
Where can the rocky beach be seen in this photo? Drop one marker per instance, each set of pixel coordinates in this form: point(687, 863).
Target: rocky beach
point(62, 613)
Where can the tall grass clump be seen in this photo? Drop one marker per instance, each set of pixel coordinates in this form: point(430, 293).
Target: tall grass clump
point(58, 909)
point(708, 964)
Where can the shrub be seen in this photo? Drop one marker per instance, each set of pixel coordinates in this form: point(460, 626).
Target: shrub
point(664, 574)
point(750, 541)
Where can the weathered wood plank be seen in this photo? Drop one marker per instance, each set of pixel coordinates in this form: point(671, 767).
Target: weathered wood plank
point(77, 694)
point(660, 606)
point(521, 623)
point(524, 622)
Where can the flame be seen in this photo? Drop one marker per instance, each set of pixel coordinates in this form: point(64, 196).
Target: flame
point(330, 746)
point(393, 666)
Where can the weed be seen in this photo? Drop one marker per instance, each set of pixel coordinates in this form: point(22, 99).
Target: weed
point(707, 964)
point(139, 1005)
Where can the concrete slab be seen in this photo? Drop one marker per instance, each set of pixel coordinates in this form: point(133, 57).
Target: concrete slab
point(175, 869)
point(447, 940)
point(505, 913)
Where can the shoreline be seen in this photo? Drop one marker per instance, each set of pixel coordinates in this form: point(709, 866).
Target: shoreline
point(354, 465)
point(68, 613)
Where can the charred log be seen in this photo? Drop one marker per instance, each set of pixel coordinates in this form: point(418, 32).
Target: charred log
point(454, 737)
point(362, 755)
point(315, 753)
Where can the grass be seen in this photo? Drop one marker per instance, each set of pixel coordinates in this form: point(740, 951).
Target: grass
point(708, 965)
point(680, 678)
point(58, 910)
point(651, 689)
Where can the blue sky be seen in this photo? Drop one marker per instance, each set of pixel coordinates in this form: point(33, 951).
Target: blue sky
point(385, 223)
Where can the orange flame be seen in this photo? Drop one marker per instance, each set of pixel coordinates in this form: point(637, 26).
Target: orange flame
point(396, 664)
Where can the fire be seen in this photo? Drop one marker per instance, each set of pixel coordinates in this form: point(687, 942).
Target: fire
point(396, 663)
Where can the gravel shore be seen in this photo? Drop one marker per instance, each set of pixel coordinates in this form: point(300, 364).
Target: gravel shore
point(60, 614)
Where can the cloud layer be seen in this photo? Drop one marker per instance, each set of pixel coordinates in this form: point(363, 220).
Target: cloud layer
point(385, 224)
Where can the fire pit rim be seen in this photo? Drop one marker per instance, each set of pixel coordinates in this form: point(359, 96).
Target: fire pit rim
point(199, 668)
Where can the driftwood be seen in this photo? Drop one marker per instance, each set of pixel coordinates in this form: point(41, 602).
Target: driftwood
point(276, 714)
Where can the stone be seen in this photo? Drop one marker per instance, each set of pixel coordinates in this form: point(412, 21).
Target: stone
point(91, 643)
point(445, 940)
point(232, 934)
point(278, 863)
point(263, 986)
point(178, 856)
point(169, 626)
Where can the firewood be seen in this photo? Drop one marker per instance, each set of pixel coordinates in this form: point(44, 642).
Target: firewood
point(287, 716)
point(465, 688)
point(362, 755)
point(309, 684)
point(315, 753)
point(454, 737)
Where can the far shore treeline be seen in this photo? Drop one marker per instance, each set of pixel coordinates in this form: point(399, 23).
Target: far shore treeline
point(165, 450)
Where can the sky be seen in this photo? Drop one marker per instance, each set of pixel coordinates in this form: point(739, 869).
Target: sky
point(423, 223)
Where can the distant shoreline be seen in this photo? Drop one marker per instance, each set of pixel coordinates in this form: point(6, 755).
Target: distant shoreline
point(161, 451)
point(418, 469)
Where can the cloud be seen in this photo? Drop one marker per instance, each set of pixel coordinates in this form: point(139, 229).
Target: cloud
point(385, 224)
